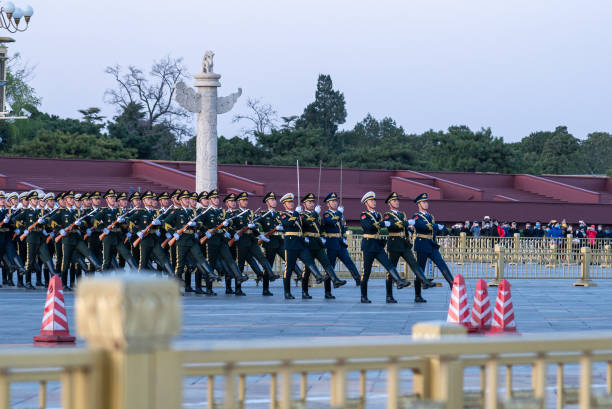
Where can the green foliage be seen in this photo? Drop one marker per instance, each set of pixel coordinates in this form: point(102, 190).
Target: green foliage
point(58, 144)
point(19, 94)
point(597, 153)
point(236, 147)
point(551, 153)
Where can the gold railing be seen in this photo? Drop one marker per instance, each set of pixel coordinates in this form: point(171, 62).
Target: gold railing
point(524, 257)
point(128, 324)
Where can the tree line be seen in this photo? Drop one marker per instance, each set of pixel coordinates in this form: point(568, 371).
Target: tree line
point(149, 125)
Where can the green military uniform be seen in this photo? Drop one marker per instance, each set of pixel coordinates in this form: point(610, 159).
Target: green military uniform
point(150, 244)
point(399, 246)
point(246, 243)
point(270, 221)
point(217, 250)
point(93, 240)
point(187, 244)
point(35, 240)
point(229, 213)
point(72, 242)
point(112, 243)
point(311, 227)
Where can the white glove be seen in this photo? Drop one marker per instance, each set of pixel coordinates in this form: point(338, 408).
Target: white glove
point(208, 235)
point(341, 209)
point(323, 240)
point(318, 209)
point(17, 231)
point(263, 238)
point(88, 231)
point(387, 223)
point(440, 226)
point(106, 231)
point(7, 219)
point(279, 227)
point(140, 234)
point(196, 235)
point(236, 237)
point(193, 224)
point(121, 220)
point(42, 220)
point(306, 239)
point(298, 209)
point(77, 223)
point(345, 242)
point(52, 235)
point(78, 232)
point(176, 236)
point(63, 232)
point(411, 222)
point(226, 223)
point(227, 235)
point(44, 232)
point(156, 222)
point(26, 232)
point(251, 225)
point(168, 236)
point(129, 235)
point(157, 233)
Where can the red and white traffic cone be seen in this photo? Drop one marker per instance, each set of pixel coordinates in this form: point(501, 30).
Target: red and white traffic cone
point(54, 326)
point(503, 317)
point(458, 309)
point(481, 308)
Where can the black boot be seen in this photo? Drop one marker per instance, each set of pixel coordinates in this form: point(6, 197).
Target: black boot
point(207, 271)
point(28, 285)
point(399, 281)
point(305, 295)
point(198, 289)
point(298, 273)
point(447, 276)
point(334, 277)
point(256, 269)
point(131, 262)
point(389, 288)
point(228, 286)
point(355, 275)
point(391, 300)
point(364, 293)
point(266, 288)
point(329, 295)
point(188, 288)
point(167, 268)
point(9, 279)
point(269, 272)
point(315, 272)
point(419, 299)
point(94, 263)
point(239, 291)
point(20, 281)
point(287, 286)
point(65, 285)
point(19, 263)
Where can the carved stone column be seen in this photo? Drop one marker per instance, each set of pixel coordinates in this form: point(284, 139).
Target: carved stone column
point(132, 319)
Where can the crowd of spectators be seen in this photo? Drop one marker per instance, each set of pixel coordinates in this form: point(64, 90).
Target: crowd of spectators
point(554, 229)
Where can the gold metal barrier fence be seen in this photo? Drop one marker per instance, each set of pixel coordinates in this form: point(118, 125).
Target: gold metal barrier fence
point(523, 258)
point(129, 362)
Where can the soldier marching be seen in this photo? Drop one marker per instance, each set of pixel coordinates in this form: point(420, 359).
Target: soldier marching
point(192, 238)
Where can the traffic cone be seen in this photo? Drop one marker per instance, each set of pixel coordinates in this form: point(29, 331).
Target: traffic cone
point(503, 317)
point(54, 326)
point(481, 308)
point(458, 309)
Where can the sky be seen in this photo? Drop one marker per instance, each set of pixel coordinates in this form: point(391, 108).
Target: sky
point(514, 66)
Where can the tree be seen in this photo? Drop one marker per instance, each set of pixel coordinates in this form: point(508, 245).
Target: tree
point(153, 94)
point(550, 152)
point(327, 111)
point(238, 150)
point(597, 153)
point(92, 115)
point(58, 144)
point(260, 117)
point(19, 94)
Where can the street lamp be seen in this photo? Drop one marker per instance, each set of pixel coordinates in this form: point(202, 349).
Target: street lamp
point(11, 17)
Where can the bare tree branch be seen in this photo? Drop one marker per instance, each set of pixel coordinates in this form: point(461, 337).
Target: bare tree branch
point(262, 118)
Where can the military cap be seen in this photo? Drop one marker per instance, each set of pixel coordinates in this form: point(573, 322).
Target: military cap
point(368, 196)
point(229, 198)
point(68, 194)
point(12, 195)
point(59, 196)
point(269, 195)
point(110, 193)
point(287, 197)
point(176, 193)
point(163, 195)
point(122, 196)
point(310, 197)
point(421, 198)
point(135, 196)
point(2, 194)
point(212, 193)
point(85, 196)
point(193, 195)
point(184, 194)
point(203, 195)
point(392, 196)
point(95, 195)
point(331, 196)
point(242, 195)
point(148, 195)
point(23, 195)
point(78, 197)
point(32, 195)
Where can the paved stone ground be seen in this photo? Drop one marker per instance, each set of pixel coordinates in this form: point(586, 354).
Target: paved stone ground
point(540, 306)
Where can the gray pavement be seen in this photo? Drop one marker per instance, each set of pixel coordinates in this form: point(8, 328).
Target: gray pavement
point(540, 306)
